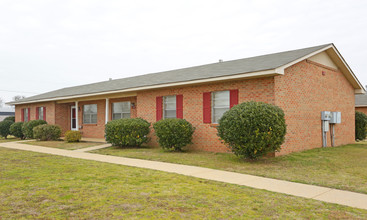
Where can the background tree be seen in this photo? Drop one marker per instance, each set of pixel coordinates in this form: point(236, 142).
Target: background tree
point(18, 97)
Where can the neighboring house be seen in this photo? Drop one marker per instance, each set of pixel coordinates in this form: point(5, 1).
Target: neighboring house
point(6, 112)
point(302, 82)
point(361, 103)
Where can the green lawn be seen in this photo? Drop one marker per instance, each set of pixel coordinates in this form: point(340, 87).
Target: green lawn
point(343, 167)
point(34, 185)
point(63, 144)
point(9, 139)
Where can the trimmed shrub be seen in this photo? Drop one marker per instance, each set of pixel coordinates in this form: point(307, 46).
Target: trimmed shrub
point(28, 127)
point(253, 129)
point(47, 132)
point(10, 118)
point(127, 132)
point(173, 133)
point(361, 125)
point(5, 128)
point(16, 130)
point(73, 136)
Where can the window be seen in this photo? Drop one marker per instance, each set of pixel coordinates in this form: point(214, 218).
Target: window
point(120, 110)
point(41, 113)
point(220, 104)
point(90, 114)
point(169, 106)
point(26, 114)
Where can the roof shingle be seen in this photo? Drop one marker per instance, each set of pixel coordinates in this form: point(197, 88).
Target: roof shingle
point(241, 66)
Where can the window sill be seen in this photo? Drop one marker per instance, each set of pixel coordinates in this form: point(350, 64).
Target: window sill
point(214, 125)
point(89, 124)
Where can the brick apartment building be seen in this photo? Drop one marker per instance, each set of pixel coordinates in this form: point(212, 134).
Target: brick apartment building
point(302, 82)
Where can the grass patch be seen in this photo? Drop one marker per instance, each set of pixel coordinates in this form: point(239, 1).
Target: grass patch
point(63, 144)
point(34, 185)
point(343, 167)
point(9, 139)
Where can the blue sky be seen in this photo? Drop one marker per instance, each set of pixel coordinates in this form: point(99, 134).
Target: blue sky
point(46, 45)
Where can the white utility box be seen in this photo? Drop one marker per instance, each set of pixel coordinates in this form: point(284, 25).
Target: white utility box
point(336, 118)
point(325, 115)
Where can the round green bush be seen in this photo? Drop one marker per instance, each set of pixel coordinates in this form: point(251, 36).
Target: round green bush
point(173, 133)
point(361, 125)
point(28, 127)
point(73, 136)
point(253, 129)
point(10, 118)
point(47, 132)
point(16, 130)
point(5, 128)
point(127, 132)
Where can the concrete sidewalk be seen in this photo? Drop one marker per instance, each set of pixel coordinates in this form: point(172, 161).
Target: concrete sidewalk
point(357, 200)
point(93, 148)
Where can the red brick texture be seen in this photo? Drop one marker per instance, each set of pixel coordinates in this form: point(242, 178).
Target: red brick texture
point(302, 92)
point(362, 109)
point(205, 136)
point(50, 111)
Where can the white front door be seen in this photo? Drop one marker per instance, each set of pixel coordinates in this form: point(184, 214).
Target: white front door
point(73, 118)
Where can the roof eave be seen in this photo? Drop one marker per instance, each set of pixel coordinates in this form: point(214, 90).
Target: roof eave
point(358, 88)
point(264, 73)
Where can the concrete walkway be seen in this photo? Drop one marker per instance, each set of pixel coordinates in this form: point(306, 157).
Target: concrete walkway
point(325, 194)
point(93, 148)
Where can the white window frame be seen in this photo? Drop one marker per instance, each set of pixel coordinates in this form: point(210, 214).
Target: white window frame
point(89, 115)
point(121, 113)
point(213, 107)
point(165, 108)
point(39, 113)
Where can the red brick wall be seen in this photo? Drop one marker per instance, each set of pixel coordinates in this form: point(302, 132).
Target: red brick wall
point(362, 109)
point(63, 112)
point(303, 92)
point(93, 130)
point(205, 136)
point(50, 111)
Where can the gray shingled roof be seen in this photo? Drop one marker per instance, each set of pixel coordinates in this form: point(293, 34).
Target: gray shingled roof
point(361, 100)
point(241, 66)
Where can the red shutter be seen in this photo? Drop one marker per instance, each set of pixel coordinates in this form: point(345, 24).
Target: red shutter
point(179, 106)
point(207, 110)
point(44, 113)
point(233, 98)
point(37, 113)
point(29, 114)
point(159, 106)
point(22, 114)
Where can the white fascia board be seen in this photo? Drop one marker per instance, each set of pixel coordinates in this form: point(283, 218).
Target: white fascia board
point(304, 57)
point(359, 90)
point(264, 73)
point(350, 71)
point(360, 106)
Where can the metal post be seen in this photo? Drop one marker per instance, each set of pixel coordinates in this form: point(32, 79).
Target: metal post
point(333, 135)
point(324, 136)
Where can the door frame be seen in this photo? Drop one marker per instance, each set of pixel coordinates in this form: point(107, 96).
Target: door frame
point(71, 118)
